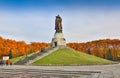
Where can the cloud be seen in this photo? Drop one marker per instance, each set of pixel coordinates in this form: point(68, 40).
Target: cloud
point(79, 25)
point(27, 26)
point(92, 24)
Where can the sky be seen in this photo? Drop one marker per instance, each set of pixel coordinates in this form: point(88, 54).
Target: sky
point(82, 20)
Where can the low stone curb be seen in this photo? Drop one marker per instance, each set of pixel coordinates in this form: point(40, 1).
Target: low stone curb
point(72, 64)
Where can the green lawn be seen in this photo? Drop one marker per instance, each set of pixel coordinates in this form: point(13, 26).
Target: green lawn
point(16, 59)
point(67, 56)
point(21, 57)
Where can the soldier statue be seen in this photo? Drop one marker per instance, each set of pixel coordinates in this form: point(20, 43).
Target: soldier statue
point(58, 24)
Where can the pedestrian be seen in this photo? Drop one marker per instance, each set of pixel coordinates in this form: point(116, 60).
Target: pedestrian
point(10, 62)
point(6, 62)
point(2, 62)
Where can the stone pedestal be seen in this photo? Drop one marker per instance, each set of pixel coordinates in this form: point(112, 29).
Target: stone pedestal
point(58, 40)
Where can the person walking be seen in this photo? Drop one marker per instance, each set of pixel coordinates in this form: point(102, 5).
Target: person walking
point(6, 62)
point(2, 62)
point(10, 62)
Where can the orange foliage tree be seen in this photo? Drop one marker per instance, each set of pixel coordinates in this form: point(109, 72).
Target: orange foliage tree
point(19, 48)
point(99, 47)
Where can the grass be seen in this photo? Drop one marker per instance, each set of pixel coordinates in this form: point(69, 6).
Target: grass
point(16, 59)
point(67, 56)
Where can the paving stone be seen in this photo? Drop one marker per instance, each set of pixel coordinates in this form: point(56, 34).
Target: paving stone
point(108, 75)
point(107, 71)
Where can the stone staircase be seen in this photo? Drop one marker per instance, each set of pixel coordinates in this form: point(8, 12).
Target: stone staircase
point(36, 56)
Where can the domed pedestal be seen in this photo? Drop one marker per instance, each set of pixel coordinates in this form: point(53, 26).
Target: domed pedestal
point(58, 40)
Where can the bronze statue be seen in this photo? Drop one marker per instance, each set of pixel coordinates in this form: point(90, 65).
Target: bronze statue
point(58, 24)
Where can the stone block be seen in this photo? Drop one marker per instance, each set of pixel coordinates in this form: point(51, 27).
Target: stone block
point(58, 40)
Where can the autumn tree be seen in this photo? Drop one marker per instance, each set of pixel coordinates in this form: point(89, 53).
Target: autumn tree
point(10, 54)
point(109, 55)
point(99, 47)
point(19, 48)
point(89, 52)
point(31, 51)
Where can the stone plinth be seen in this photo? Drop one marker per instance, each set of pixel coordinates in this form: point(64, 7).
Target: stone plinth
point(58, 40)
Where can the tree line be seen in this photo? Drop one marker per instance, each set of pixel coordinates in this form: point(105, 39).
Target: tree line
point(19, 48)
point(105, 48)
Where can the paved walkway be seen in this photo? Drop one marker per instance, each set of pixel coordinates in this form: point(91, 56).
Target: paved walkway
point(107, 71)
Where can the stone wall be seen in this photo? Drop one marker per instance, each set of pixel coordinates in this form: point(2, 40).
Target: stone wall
point(58, 40)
